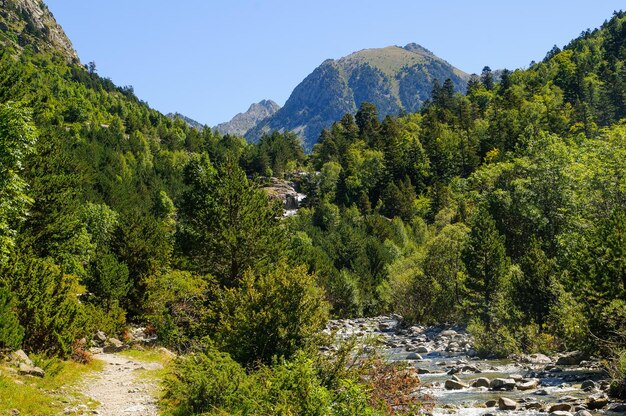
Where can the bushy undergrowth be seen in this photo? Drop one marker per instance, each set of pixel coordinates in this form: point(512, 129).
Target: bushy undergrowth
point(11, 333)
point(271, 314)
point(47, 305)
point(617, 368)
point(210, 382)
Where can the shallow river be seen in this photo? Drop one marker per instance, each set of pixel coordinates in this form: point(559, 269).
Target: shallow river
point(444, 353)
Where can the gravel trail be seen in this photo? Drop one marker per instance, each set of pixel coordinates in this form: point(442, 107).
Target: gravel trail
point(119, 390)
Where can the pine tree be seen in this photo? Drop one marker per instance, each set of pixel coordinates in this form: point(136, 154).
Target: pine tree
point(535, 290)
point(486, 77)
point(369, 126)
point(228, 225)
point(486, 262)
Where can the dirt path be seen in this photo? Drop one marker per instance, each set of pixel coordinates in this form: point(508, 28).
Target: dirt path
point(119, 390)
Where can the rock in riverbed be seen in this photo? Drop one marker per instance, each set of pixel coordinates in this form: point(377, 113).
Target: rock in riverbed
point(499, 384)
point(454, 385)
point(505, 403)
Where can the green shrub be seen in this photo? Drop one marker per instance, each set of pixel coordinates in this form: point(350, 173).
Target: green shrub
point(175, 306)
point(352, 399)
point(47, 305)
point(568, 322)
point(11, 333)
point(497, 341)
point(532, 339)
point(110, 322)
point(617, 369)
point(210, 382)
point(204, 381)
point(273, 314)
point(346, 294)
point(288, 388)
point(108, 281)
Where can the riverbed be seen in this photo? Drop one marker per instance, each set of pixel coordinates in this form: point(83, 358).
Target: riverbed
point(461, 383)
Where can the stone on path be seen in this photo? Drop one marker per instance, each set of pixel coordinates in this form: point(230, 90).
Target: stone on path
point(570, 358)
point(597, 401)
point(413, 356)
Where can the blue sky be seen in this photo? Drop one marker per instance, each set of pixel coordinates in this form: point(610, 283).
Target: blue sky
point(210, 59)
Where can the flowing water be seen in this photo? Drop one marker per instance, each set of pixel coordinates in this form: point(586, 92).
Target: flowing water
point(441, 353)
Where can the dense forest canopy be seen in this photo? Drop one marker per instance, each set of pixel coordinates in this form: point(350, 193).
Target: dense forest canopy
point(503, 208)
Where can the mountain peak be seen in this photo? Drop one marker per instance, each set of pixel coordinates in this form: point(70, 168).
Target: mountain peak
point(414, 47)
point(242, 122)
point(264, 105)
point(34, 25)
point(393, 78)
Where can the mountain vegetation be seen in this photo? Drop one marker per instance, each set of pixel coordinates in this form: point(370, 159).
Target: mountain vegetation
point(500, 207)
point(190, 122)
point(394, 79)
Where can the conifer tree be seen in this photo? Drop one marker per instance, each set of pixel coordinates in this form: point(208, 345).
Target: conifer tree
point(228, 225)
point(486, 263)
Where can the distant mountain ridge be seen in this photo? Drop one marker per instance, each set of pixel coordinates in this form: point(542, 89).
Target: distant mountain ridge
point(29, 22)
point(243, 122)
point(190, 122)
point(394, 78)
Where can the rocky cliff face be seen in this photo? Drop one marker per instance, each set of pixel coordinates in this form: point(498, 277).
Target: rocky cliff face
point(395, 79)
point(242, 122)
point(30, 23)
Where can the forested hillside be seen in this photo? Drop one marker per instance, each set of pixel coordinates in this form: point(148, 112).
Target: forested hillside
point(502, 208)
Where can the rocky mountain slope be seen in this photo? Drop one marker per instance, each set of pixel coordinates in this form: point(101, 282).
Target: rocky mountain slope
point(30, 23)
point(242, 122)
point(394, 78)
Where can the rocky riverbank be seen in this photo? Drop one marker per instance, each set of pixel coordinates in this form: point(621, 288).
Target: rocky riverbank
point(462, 383)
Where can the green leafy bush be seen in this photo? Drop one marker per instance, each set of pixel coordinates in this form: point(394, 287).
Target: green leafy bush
point(204, 381)
point(175, 306)
point(11, 333)
point(47, 305)
point(617, 369)
point(209, 382)
point(497, 341)
point(110, 322)
point(533, 339)
point(272, 314)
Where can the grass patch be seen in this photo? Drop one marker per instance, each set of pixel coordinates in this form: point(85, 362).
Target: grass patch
point(50, 395)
